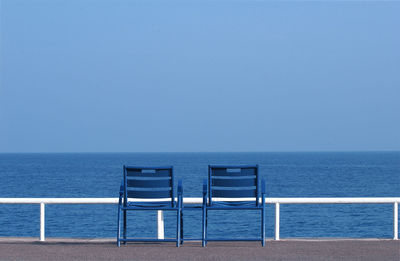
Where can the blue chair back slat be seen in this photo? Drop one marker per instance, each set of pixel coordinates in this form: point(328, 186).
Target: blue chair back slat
point(232, 171)
point(223, 193)
point(233, 182)
point(149, 183)
point(242, 182)
point(155, 173)
point(143, 194)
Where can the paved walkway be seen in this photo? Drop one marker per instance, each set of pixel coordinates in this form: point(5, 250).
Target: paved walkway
point(290, 249)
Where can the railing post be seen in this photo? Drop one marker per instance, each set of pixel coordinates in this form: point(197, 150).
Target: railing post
point(160, 224)
point(396, 220)
point(42, 217)
point(277, 218)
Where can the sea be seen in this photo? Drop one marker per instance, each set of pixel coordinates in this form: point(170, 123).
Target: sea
point(291, 174)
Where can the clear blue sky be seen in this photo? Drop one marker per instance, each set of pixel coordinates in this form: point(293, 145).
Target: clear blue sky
point(195, 75)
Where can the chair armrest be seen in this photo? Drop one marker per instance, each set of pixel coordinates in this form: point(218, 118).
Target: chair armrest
point(205, 188)
point(180, 188)
point(263, 193)
point(205, 192)
point(121, 194)
point(179, 202)
point(121, 189)
point(262, 186)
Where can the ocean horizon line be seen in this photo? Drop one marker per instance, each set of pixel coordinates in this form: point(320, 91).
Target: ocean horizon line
point(183, 152)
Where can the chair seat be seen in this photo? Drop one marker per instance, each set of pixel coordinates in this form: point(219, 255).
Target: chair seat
point(149, 206)
point(234, 204)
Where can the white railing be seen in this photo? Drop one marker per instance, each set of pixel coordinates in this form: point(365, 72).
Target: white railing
point(160, 217)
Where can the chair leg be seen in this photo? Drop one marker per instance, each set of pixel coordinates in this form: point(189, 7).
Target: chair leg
point(125, 227)
point(204, 228)
point(178, 228)
point(263, 225)
point(119, 226)
point(181, 227)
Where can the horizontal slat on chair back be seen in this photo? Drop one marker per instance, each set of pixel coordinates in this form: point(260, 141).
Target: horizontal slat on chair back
point(155, 173)
point(147, 182)
point(233, 171)
point(233, 181)
point(242, 182)
point(149, 193)
point(234, 193)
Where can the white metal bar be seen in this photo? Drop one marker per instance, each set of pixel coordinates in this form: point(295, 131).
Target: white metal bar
point(42, 218)
point(277, 219)
point(396, 221)
point(380, 200)
point(160, 224)
point(59, 200)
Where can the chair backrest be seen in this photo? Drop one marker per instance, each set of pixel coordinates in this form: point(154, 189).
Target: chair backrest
point(240, 181)
point(149, 183)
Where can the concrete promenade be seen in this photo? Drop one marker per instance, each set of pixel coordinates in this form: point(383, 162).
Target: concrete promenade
point(288, 249)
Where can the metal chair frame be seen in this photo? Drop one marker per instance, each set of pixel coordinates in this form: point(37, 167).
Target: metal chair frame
point(144, 183)
point(236, 184)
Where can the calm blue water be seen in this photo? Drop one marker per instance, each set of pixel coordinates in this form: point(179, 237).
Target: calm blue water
point(374, 174)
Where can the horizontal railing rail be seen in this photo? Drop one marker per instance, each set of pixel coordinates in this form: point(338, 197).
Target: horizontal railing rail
point(196, 200)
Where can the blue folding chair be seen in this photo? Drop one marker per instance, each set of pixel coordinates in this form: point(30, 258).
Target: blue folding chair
point(149, 188)
point(224, 189)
